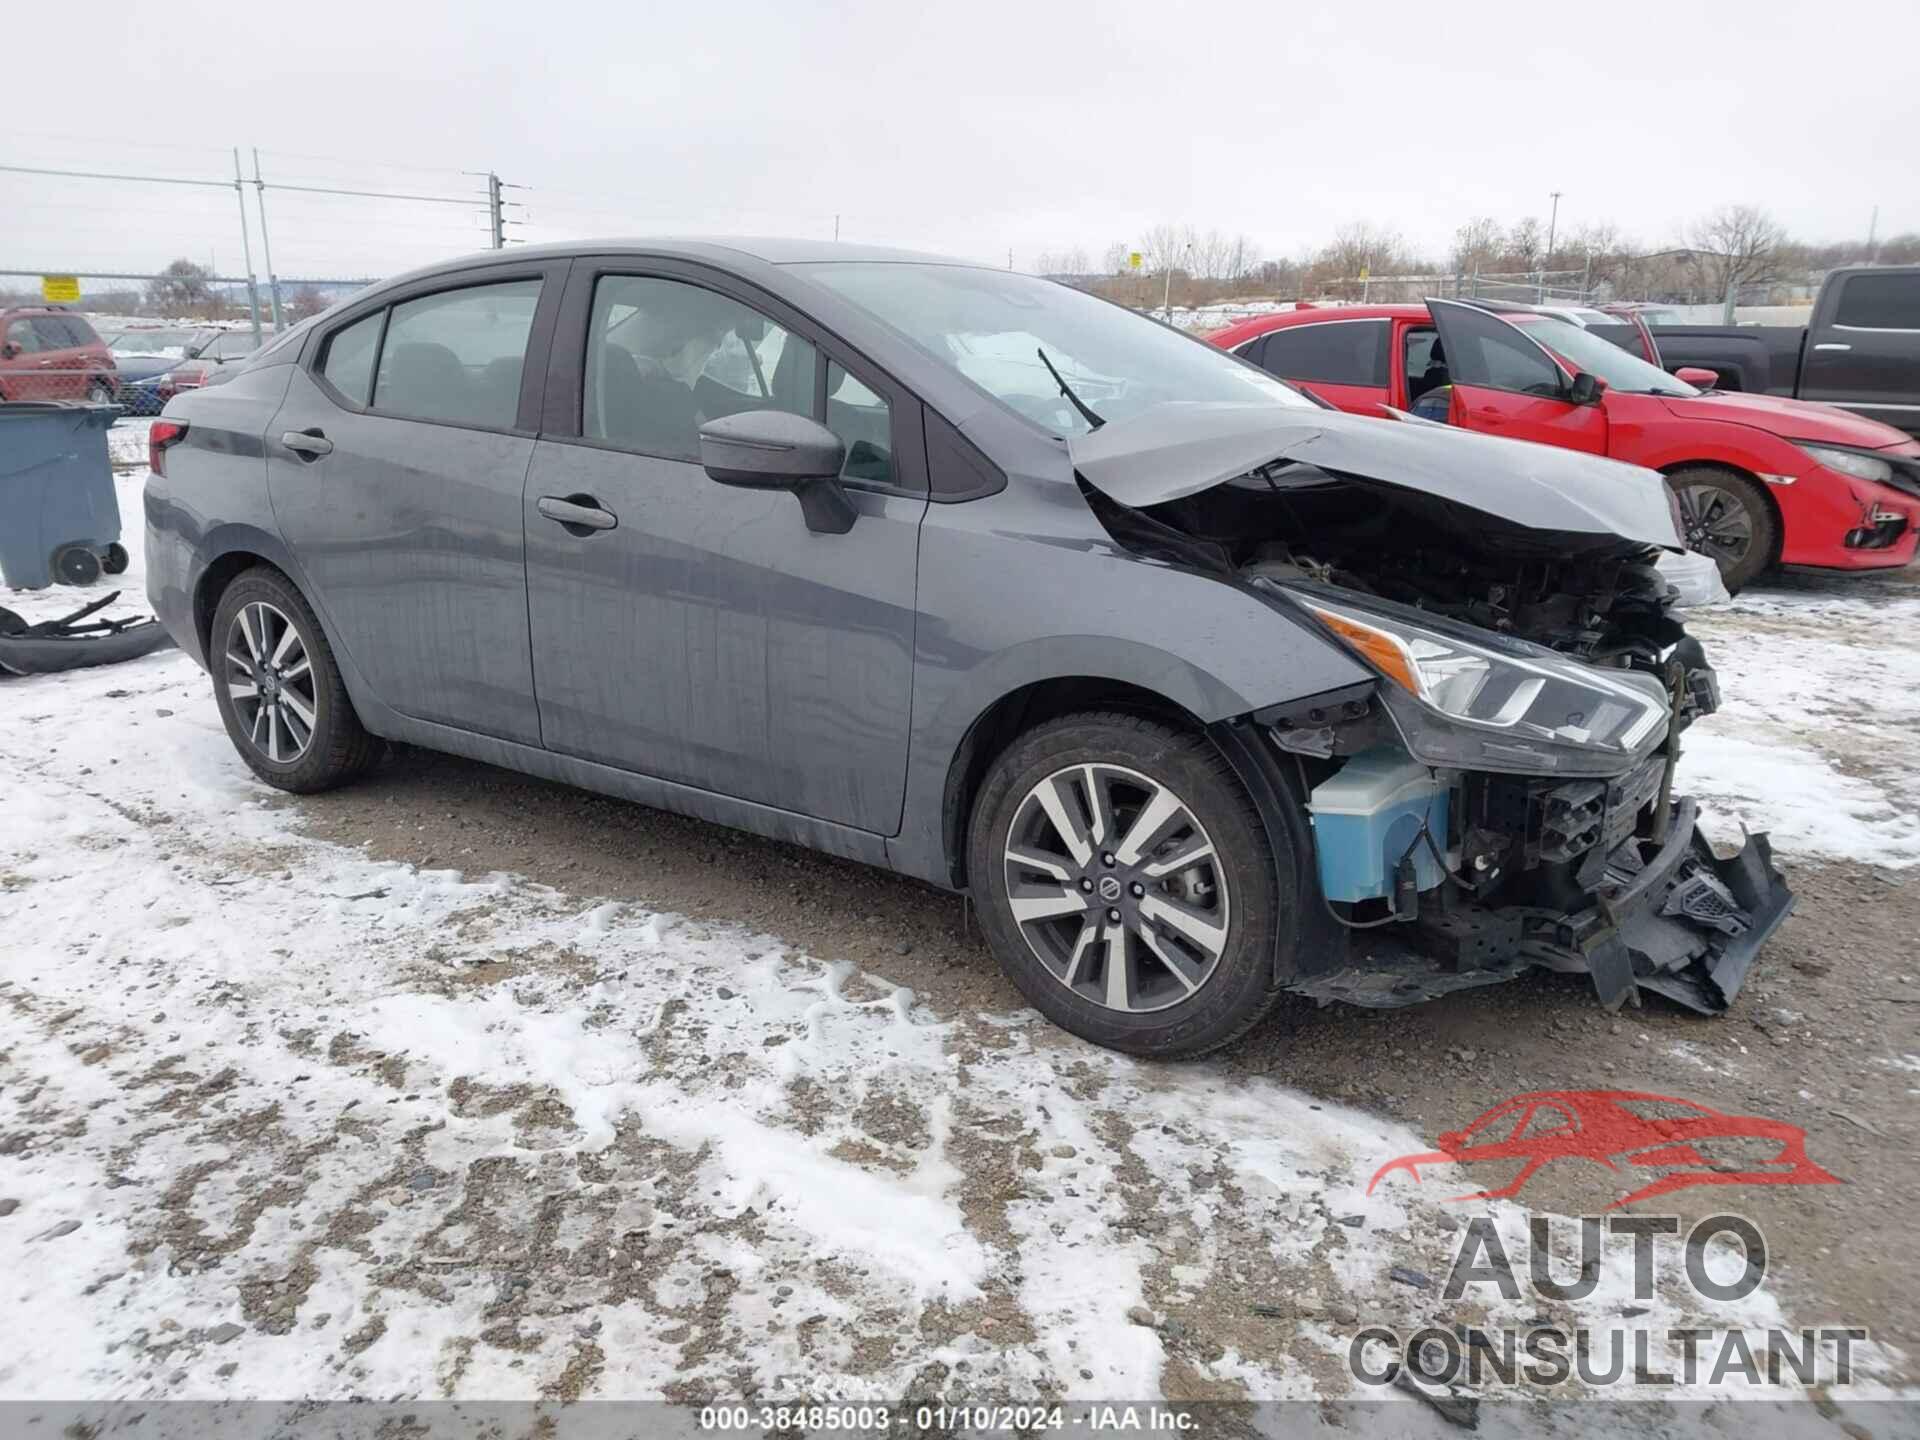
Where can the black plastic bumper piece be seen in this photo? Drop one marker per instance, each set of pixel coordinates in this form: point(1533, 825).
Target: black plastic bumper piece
point(1680, 923)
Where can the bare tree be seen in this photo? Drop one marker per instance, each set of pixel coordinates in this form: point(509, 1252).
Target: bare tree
point(1114, 261)
point(306, 303)
point(182, 289)
point(1734, 246)
point(1476, 245)
point(1525, 242)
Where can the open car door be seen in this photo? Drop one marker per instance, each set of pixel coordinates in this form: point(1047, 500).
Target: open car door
point(1504, 383)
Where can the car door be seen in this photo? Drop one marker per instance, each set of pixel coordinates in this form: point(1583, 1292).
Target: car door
point(701, 633)
point(396, 466)
point(1868, 357)
point(1504, 383)
point(64, 358)
point(1344, 362)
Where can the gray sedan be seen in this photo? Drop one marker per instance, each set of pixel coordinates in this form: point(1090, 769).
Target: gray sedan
point(1201, 691)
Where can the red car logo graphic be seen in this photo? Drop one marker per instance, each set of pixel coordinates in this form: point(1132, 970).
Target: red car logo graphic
point(1623, 1127)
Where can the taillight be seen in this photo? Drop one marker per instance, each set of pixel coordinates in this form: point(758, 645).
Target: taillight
point(162, 437)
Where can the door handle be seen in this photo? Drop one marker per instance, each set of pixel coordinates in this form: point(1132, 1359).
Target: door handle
point(308, 444)
point(1832, 345)
point(580, 514)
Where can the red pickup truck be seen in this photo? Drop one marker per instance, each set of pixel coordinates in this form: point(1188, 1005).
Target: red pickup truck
point(1760, 480)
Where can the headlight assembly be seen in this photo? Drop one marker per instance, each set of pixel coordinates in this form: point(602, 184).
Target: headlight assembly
point(1471, 699)
point(1848, 462)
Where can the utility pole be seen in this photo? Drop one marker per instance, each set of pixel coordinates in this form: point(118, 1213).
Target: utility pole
point(496, 212)
point(1553, 224)
point(266, 249)
point(246, 246)
point(1873, 243)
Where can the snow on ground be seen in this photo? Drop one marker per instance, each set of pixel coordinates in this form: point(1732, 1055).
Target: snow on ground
point(282, 1121)
point(1819, 738)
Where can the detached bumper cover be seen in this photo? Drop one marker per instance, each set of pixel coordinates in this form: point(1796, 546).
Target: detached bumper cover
point(1683, 924)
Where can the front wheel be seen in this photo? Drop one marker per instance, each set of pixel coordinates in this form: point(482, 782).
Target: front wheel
point(1127, 884)
point(1727, 518)
point(99, 393)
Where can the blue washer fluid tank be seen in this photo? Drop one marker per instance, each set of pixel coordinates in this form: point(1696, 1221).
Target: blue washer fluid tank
point(1368, 815)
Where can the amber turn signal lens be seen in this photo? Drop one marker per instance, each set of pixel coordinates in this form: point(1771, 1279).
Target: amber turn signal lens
point(1386, 652)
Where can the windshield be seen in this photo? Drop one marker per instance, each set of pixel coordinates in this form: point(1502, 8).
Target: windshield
point(1599, 357)
point(991, 325)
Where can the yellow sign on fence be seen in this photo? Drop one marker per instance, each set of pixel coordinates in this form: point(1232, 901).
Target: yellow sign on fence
point(60, 289)
point(1134, 259)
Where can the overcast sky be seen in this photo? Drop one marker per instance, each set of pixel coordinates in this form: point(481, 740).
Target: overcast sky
point(972, 129)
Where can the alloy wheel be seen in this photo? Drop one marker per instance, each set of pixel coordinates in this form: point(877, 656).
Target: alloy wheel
point(269, 678)
point(1715, 523)
point(1116, 888)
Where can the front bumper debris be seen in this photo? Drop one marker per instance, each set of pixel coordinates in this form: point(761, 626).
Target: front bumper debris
point(1678, 921)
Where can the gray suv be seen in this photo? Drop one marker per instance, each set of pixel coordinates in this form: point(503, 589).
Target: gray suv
point(1202, 691)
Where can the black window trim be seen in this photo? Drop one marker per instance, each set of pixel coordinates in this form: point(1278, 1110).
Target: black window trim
point(561, 412)
point(1553, 361)
point(1386, 349)
point(552, 276)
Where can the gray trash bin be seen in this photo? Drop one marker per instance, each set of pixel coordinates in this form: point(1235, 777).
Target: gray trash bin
point(59, 516)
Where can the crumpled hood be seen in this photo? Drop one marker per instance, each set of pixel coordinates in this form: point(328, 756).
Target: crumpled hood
point(1178, 449)
point(1790, 419)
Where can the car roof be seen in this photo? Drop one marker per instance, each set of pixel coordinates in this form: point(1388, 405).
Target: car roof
point(769, 250)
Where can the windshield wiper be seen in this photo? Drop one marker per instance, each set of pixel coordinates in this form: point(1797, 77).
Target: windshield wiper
point(1094, 422)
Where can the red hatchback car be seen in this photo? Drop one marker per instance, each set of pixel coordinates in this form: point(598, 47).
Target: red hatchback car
point(1760, 480)
point(53, 355)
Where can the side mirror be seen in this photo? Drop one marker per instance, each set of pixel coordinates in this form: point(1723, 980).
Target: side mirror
point(1586, 389)
point(9, 350)
point(1698, 375)
point(773, 450)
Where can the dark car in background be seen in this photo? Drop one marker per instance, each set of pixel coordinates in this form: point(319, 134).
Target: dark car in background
point(201, 356)
point(1203, 691)
point(142, 354)
point(50, 354)
point(1860, 347)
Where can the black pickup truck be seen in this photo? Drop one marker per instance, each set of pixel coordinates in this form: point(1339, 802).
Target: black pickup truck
point(1860, 347)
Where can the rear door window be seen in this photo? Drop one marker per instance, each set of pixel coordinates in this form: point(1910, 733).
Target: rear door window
point(456, 356)
point(1879, 302)
point(53, 332)
point(348, 363)
point(1338, 352)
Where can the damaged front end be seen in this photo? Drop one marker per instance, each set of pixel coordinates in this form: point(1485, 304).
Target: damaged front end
point(1500, 796)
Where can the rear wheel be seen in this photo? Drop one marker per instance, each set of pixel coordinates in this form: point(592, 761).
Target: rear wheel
point(278, 689)
point(1127, 884)
point(1727, 518)
point(99, 393)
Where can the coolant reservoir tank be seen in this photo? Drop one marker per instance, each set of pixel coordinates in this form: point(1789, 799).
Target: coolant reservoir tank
point(1368, 815)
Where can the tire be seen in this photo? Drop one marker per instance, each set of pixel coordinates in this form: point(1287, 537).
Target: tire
point(1179, 998)
point(1718, 507)
point(116, 559)
point(76, 565)
point(99, 393)
point(268, 719)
